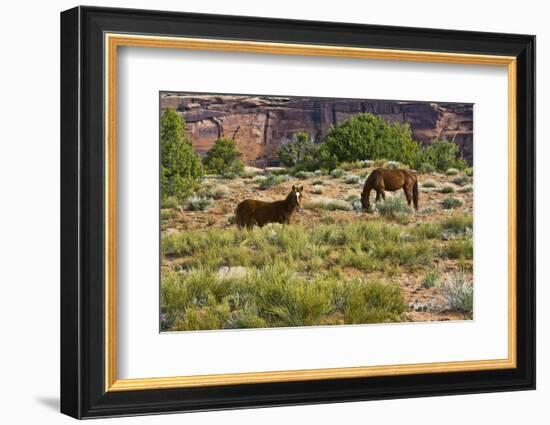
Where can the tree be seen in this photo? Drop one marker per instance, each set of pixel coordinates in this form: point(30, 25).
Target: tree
point(300, 149)
point(224, 158)
point(441, 154)
point(366, 136)
point(180, 166)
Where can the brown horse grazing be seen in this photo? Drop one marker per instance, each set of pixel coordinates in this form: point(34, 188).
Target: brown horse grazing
point(382, 180)
point(251, 212)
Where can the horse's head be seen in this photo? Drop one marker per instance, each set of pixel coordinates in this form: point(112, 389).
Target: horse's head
point(296, 196)
point(365, 202)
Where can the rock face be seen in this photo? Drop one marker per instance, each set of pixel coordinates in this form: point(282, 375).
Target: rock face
point(259, 123)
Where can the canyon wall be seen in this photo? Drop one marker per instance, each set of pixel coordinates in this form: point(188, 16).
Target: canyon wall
point(259, 123)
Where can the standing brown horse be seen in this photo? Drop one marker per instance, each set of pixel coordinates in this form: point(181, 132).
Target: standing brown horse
point(382, 180)
point(251, 212)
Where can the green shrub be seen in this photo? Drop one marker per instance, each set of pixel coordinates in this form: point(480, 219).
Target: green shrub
point(169, 202)
point(247, 318)
point(466, 189)
point(426, 230)
point(431, 279)
point(469, 171)
point(350, 165)
point(271, 180)
point(460, 180)
point(318, 182)
point(429, 183)
point(304, 175)
point(459, 248)
point(459, 293)
point(206, 318)
point(393, 206)
point(405, 254)
point(167, 214)
point(372, 302)
point(451, 203)
point(427, 211)
point(303, 304)
point(351, 179)
point(369, 136)
point(447, 188)
point(316, 189)
point(198, 203)
point(260, 178)
point(452, 171)
point(328, 204)
point(230, 175)
point(441, 154)
point(337, 173)
point(458, 223)
point(180, 167)
point(355, 202)
point(277, 170)
point(426, 168)
point(224, 158)
point(367, 163)
point(301, 149)
point(392, 165)
point(219, 191)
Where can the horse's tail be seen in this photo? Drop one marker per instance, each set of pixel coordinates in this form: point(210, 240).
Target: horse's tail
point(415, 193)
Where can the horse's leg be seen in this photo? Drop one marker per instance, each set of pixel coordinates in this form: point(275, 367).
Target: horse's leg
point(377, 196)
point(408, 193)
point(365, 198)
point(381, 187)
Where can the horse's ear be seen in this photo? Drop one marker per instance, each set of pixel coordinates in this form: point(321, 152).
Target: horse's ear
point(293, 188)
point(301, 188)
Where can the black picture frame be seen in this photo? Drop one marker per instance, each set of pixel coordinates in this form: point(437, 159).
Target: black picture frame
point(83, 392)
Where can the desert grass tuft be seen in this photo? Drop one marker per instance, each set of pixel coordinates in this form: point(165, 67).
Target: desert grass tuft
point(198, 203)
point(452, 203)
point(447, 188)
point(431, 279)
point(461, 180)
point(459, 293)
point(452, 172)
point(351, 179)
point(393, 207)
point(372, 302)
point(271, 180)
point(337, 173)
point(169, 202)
point(429, 183)
point(459, 249)
point(466, 189)
point(458, 223)
point(328, 204)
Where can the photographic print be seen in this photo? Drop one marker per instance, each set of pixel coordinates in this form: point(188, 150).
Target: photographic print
point(281, 211)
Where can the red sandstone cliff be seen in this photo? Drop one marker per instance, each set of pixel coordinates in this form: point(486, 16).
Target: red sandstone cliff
point(259, 123)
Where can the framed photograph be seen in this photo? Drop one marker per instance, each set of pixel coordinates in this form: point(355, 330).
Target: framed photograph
point(261, 212)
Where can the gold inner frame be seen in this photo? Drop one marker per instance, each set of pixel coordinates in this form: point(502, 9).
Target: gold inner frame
point(113, 41)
